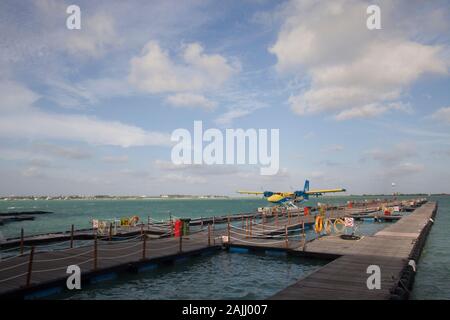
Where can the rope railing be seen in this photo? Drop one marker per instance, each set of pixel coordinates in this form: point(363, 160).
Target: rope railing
point(122, 256)
point(253, 242)
point(262, 236)
point(14, 266)
point(63, 258)
point(120, 248)
point(14, 277)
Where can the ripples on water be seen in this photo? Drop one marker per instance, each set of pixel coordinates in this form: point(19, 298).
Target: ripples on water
point(219, 276)
point(433, 275)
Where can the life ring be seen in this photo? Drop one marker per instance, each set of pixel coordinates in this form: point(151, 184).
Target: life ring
point(339, 222)
point(133, 220)
point(327, 226)
point(318, 226)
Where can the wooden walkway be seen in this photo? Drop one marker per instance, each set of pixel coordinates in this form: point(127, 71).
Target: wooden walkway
point(391, 249)
point(19, 278)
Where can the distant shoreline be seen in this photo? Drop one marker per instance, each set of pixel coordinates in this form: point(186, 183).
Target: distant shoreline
point(183, 197)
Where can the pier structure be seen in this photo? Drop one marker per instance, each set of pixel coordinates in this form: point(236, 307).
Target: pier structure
point(35, 273)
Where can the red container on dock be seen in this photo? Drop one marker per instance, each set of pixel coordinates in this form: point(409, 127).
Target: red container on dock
point(306, 211)
point(178, 228)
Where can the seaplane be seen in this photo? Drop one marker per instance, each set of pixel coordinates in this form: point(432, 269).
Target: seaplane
point(291, 198)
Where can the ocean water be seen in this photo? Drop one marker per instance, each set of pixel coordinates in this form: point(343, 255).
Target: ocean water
point(432, 281)
point(218, 276)
point(433, 275)
point(81, 212)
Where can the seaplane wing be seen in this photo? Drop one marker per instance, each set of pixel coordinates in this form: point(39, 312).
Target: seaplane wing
point(267, 193)
point(321, 191)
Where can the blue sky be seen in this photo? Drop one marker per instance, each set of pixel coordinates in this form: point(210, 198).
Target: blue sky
point(91, 111)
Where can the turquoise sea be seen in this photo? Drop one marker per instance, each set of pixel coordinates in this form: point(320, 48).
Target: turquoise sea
point(432, 280)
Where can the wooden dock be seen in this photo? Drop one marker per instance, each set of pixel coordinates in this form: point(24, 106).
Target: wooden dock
point(41, 274)
point(395, 250)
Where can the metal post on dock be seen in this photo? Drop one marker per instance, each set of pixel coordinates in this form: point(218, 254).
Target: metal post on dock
point(209, 235)
point(21, 241)
point(142, 230)
point(110, 231)
point(251, 226)
point(181, 243)
point(214, 223)
point(246, 228)
point(71, 236)
point(95, 251)
point(30, 266)
point(201, 222)
point(229, 231)
point(286, 236)
point(144, 246)
point(276, 217)
point(303, 233)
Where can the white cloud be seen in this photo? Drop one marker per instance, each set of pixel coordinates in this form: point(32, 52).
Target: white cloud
point(25, 121)
point(371, 110)
point(115, 159)
point(353, 72)
point(175, 177)
point(72, 153)
point(15, 98)
point(333, 148)
point(405, 169)
point(97, 34)
point(227, 118)
point(391, 155)
point(198, 170)
point(155, 72)
point(190, 100)
point(442, 114)
point(41, 125)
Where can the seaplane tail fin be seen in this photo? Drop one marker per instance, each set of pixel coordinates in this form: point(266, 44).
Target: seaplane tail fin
point(306, 187)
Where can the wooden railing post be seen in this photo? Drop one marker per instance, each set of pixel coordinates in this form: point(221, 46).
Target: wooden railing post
point(246, 228)
point(110, 231)
point(95, 252)
point(21, 241)
point(229, 231)
point(201, 222)
point(303, 233)
point(30, 266)
point(71, 236)
point(144, 246)
point(251, 226)
point(209, 235)
point(181, 242)
point(286, 236)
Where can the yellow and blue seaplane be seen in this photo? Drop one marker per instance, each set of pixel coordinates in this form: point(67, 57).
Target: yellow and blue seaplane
point(289, 199)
